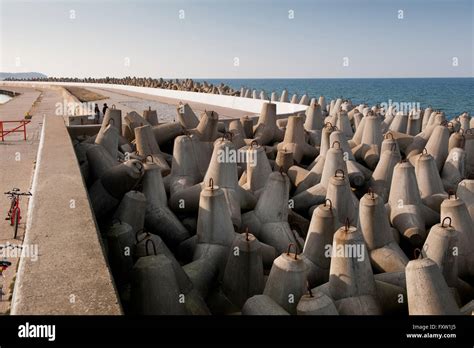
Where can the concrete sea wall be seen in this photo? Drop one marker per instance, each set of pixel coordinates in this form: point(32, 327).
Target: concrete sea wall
point(70, 274)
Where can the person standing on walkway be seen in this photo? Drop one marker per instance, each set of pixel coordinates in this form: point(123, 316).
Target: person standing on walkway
point(104, 109)
point(97, 113)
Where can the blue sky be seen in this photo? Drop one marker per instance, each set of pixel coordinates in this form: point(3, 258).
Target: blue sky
point(107, 34)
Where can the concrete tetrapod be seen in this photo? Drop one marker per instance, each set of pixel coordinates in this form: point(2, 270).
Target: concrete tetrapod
point(258, 169)
point(266, 130)
point(408, 214)
point(133, 120)
point(269, 220)
point(456, 139)
point(151, 116)
point(344, 203)
point(437, 145)
point(383, 173)
point(215, 231)
point(399, 123)
point(108, 137)
point(283, 161)
point(426, 117)
point(287, 280)
point(262, 305)
point(190, 162)
point(414, 122)
point(412, 146)
point(320, 235)
point(206, 130)
point(243, 275)
point(465, 119)
point(465, 191)
point(142, 247)
point(454, 169)
point(429, 182)
point(166, 132)
point(247, 125)
point(131, 210)
point(274, 97)
point(159, 219)
point(358, 174)
point(105, 194)
point(294, 140)
point(146, 243)
point(120, 242)
point(186, 116)
point(147, 146)
point(99, 161)
point(314, 123)
point(469, 148)
point(155, 289)
point(304, 100)
point(316, 303)
point(324, 169)
point(351, 281)
point(343, 124)
point(441, 246)
point(237, 134)
point(385, 254)
point(114, 114)
point(456, 209)
point(223, 170)
point(368, 148)
point(428, 293)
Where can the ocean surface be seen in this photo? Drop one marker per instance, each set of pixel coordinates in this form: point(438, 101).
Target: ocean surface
point(451, 95)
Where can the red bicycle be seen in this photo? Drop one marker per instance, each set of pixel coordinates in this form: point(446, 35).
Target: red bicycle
point(14, 214)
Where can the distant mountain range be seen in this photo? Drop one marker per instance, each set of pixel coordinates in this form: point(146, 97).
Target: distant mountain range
point(23, 75)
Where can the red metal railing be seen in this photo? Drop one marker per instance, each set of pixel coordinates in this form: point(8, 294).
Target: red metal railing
point(19, 129)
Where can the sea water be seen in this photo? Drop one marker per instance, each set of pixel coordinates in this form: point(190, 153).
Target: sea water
point(451, 95)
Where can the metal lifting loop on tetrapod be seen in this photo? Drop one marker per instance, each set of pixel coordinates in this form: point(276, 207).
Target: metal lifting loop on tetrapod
point(153, 244)
point(339, 171)
point(347, 225)
point(420, 255)
point(310, 293)
point(326, 203)
point(289, 248)
point(452, 193)
point(147, 235)
point(446, 218)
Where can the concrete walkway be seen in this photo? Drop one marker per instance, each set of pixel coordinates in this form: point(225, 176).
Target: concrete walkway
point(17, 161)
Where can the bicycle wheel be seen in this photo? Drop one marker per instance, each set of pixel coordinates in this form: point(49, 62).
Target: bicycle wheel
point(11, 211)
point(16, 222)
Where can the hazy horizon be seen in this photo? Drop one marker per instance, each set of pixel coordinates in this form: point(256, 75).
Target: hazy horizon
point(269, 40)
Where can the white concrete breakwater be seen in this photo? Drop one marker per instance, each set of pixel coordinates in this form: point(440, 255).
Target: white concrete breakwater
point(251, 105)
point(343, 209)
